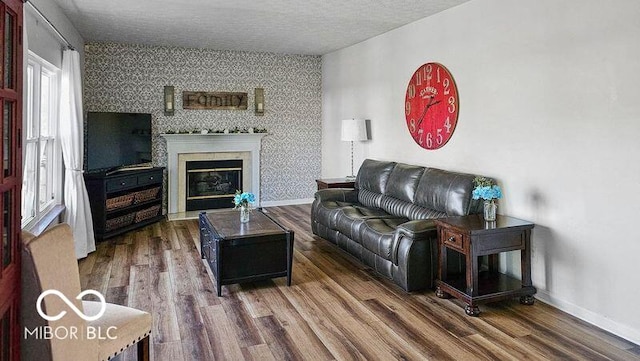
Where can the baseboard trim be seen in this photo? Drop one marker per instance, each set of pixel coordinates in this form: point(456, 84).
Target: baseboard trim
point(591, 317)
point(287, 202)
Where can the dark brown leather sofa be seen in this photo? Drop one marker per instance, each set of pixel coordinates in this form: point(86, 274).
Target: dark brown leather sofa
point(386, 221)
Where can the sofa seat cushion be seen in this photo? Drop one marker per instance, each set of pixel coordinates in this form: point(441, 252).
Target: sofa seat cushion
point(377, 235)
point(327, 211)
point(349, 219)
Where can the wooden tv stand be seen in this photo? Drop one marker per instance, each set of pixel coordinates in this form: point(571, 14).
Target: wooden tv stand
point(124, 201)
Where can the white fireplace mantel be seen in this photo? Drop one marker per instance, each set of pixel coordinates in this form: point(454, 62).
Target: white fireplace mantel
point(211, 143)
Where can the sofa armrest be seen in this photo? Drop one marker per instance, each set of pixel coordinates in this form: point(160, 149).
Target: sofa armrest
point(413, 254)
point(413, 231)
point(337, 195)
point(418, 229)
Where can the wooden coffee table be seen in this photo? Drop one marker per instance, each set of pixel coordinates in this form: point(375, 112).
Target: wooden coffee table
point(244, 252)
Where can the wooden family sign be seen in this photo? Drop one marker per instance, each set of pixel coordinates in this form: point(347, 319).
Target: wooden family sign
point(214, 100)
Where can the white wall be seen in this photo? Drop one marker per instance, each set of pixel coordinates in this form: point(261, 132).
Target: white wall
point(41, 38)
point(549, 105)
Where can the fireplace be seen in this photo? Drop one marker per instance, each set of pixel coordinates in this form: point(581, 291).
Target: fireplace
point(183, 148)
point(212, 184)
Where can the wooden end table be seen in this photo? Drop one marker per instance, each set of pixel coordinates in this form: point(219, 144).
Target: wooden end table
point(335, 183)
point(243, 252)
point(473, 237)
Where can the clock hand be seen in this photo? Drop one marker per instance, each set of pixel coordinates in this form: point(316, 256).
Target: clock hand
point(424, 112)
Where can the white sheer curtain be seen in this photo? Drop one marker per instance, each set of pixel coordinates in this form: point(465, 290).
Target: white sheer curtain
point(76, 199)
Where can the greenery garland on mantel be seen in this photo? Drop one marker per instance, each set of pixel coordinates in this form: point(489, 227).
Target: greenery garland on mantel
point(235, 130)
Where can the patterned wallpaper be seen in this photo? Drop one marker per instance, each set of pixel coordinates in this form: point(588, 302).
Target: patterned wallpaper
point(130, 78)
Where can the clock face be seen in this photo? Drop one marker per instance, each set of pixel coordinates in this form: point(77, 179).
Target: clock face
point(431, 106)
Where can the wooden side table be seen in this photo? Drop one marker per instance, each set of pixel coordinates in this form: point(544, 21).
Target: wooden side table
point(335, 183)
point(473, 237)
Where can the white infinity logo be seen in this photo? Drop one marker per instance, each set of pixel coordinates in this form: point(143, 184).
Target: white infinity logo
point(103, 307)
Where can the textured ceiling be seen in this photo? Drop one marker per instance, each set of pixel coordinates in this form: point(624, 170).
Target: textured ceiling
point(281, 26)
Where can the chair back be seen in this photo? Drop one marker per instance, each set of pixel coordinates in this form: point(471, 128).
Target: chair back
point(49, 263)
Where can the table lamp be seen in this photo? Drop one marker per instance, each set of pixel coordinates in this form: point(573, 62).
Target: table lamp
point(353, 130)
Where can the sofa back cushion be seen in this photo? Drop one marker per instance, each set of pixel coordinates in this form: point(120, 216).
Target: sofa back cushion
point(403, 181)
point(408, 210)
point(401, 190)
point(371, 181)
point(446, 192)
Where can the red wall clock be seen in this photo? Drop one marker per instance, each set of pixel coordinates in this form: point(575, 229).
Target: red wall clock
point(431, 106)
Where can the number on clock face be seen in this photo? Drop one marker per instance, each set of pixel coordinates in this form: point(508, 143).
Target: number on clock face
point(431, 106)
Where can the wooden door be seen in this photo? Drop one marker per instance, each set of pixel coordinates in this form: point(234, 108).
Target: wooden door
point(11, 175)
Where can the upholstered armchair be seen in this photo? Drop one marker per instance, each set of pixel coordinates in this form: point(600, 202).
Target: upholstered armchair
point(49, 263)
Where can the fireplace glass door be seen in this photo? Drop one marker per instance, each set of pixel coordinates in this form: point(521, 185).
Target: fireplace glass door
point(212, 184)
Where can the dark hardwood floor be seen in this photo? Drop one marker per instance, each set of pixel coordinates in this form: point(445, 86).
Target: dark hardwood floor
point(335, 309)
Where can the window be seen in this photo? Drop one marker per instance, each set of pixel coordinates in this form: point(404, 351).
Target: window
point(42, 179)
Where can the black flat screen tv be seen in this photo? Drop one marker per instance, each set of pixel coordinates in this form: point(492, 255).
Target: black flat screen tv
point(115, 140)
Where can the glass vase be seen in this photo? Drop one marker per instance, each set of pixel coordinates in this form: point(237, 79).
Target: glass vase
point(490, 208)
point(245, 212)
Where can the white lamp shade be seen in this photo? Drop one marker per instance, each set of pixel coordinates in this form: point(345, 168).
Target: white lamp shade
point(354, 130)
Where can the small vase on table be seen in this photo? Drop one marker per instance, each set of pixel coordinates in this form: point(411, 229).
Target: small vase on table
point(242, 201)
point(487, 190)
point(245, 212)
point(490, 208)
